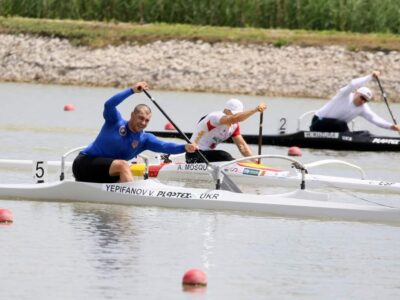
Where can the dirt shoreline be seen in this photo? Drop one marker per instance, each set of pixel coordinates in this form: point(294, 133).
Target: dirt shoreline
point(293, 71)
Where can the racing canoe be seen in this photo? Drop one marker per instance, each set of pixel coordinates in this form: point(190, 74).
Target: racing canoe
point(298, 204)
point(242, 173)
point(348, 141)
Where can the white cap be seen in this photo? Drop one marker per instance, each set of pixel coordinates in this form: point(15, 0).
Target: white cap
point(234, 105)
point(366, 92)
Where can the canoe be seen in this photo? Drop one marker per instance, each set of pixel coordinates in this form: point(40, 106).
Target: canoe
point(347, 141)
point(350, 141)
point(259, 175)
point(298, 204)
point(242, 173)
point(262, 177)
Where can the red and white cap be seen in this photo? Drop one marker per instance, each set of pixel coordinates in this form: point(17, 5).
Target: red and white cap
point(234, 105)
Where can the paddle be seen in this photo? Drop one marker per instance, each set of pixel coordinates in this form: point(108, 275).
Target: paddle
point(260, 135)
point(386, 101)
point(227, 183)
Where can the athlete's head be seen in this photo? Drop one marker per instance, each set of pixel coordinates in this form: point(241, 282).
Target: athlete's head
point(234, 106)
point(362, 95)
point(140, 117)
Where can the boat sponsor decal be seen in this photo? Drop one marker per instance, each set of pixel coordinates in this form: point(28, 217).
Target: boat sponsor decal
point(247, 171)
point(385, 183)
point(121, 189)
point(171, 194)
point(385, 141)
point(317, 134)
point(232, 170)
point(347, 138)
point(193, 167)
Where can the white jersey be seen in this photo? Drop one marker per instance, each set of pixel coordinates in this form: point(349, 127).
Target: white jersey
point(209, 132)
point(341, 106)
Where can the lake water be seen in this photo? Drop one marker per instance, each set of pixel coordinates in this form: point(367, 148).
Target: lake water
point(93, 251)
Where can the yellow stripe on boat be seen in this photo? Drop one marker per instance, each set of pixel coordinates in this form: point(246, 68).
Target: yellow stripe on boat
point(257, 166)
point(137, 169)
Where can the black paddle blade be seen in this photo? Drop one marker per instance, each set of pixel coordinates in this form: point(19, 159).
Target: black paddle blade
point(228, 185)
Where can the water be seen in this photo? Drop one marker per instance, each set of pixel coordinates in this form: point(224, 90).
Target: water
point(93, 251)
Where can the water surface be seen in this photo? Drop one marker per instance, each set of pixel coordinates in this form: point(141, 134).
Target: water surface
point(94, 251)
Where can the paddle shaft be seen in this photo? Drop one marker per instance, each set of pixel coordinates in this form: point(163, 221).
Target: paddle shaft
point(173, 124)
point(260, 135)
point(227, 183)
point(386, 101)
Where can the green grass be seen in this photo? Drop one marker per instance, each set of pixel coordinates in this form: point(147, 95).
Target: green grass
point(340, 15)
point(99, 34)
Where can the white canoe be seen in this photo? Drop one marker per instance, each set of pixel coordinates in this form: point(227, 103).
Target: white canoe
point(299, 204)
point(259, 176)
point(243, 173)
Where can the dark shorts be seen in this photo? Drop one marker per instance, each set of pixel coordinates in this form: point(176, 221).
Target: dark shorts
point(328, 125)
point(93, 169)
point(211, 155)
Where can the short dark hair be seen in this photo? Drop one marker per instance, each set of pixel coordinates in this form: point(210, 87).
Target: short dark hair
point(140, 107)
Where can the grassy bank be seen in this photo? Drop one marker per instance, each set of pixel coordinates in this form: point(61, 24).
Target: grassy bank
point(100, 34)
point(341, 15)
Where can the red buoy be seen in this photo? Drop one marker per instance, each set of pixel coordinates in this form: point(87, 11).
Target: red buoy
point(194, 277)
point(169, 126)
point(6, 216)
point(294, 151)
point(69, 107)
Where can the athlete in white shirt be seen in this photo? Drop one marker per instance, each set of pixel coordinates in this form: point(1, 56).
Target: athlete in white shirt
point(347, 104)
point(219, 126)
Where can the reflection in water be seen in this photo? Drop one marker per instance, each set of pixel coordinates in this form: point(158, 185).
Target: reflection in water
point(112, 230)
point(209, 240)
point(194, 289)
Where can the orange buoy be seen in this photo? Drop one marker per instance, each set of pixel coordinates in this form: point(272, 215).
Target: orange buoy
point(294, 151)
point(6, 216)
point(194, 277)
point(169, 126)
point(69, 107)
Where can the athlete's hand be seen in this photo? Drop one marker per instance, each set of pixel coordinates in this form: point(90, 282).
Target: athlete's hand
point(261, 107)
point(191, 147)
point(376, 74)
point(395, 127)
point(140, 86)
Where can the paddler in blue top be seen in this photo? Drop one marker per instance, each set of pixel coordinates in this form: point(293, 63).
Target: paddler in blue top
point(105, 159)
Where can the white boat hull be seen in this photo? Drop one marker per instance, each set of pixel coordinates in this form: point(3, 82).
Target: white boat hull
point(255, 177)
point(300, 204)
point(242, 175)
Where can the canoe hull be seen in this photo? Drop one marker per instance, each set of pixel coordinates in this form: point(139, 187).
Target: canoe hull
point(349, 141)
point(242, 174)
point(260, 178)
point(300, 204)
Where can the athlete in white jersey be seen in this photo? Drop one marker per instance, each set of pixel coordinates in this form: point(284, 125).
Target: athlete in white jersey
point(219, 126)
point(349, 103)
